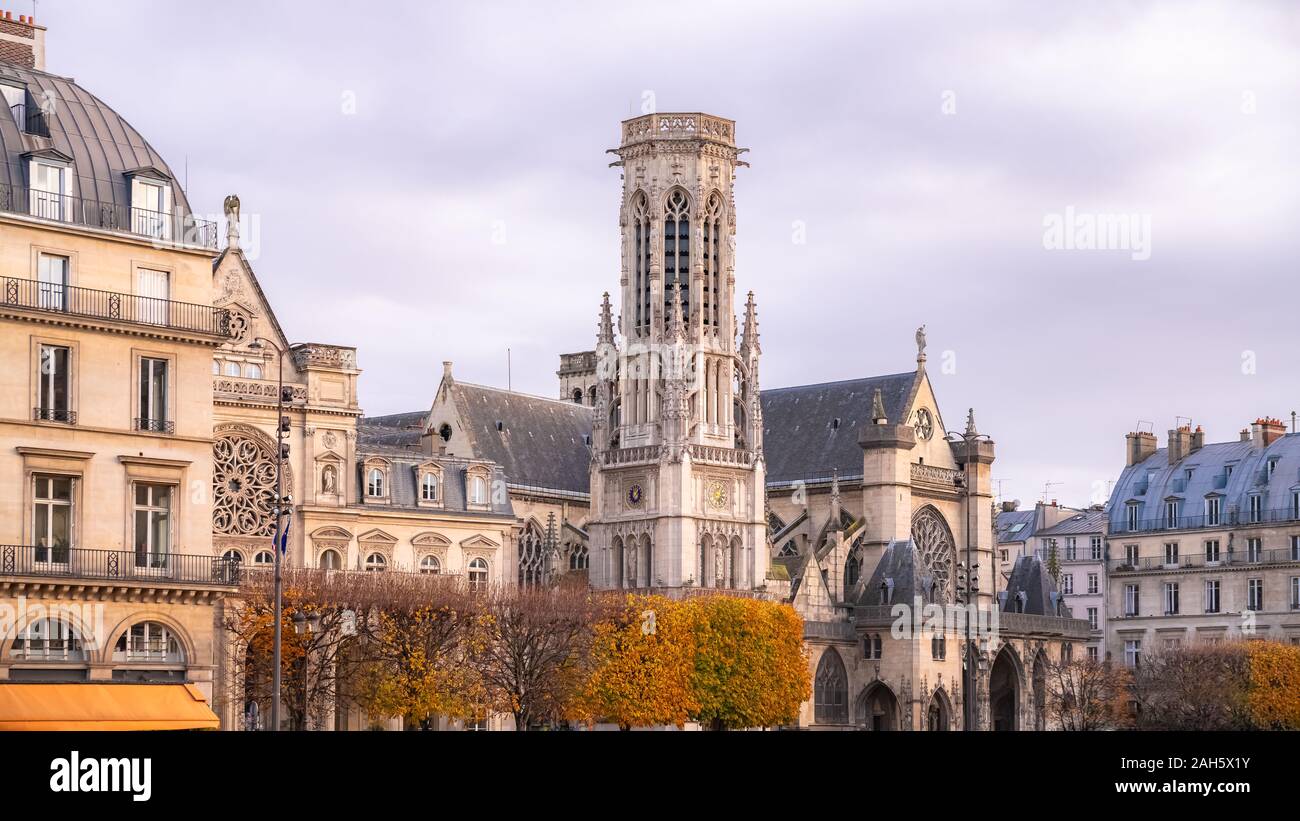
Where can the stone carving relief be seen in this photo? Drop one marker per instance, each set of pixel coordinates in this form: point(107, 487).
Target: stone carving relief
point(243, 482)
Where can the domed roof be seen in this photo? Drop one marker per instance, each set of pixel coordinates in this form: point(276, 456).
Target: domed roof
point(102, 146)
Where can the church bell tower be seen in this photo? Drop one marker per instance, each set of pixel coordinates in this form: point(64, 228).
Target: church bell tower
point(677, 476)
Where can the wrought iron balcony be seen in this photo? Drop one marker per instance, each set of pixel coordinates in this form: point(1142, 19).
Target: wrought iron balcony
point(30, 119)
point(67, 417)
point(1230, 518)
point(155, 425)
point(1198, 560)
point(173, 227)
point(139, 310)
point(127, 566)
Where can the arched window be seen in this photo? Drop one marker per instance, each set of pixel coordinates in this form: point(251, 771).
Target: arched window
point(253, 371)
point(579, 558)
point(233, 556)
point(330, 559)
point(264, 558)
point(640, 263)
point(532, 556)
point(831, 690)
point(430, 565)
point(376, 563)
point(375, 485)
point(149, 641)
point(478, 574)
point(429, 488)
point(478, 490)
point(677, 250)
point(712, 260)
point(49, 640)
point(852, 569)
point(577, 396)
point(232, 369)
point(591, 396)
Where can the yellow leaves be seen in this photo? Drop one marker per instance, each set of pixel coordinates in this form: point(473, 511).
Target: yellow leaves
point(722, 661)
point(1273, 696)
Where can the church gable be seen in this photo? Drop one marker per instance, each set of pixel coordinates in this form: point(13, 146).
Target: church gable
point(235, 287)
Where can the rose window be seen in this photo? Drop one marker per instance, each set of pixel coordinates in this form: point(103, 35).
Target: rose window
point(243, 484)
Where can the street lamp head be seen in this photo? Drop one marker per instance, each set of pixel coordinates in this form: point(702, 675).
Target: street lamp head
point(256, 345)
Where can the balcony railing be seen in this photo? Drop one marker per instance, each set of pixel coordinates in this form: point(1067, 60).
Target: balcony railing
point(67, 417)
point(30, 119)
point(155, 425)
point(140, 310)
point(115, 565)
point(1231, 518)
point(176, 226)
point(1278, 555)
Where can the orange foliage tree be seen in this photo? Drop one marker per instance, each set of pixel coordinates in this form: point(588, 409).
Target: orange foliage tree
point(1273, 692)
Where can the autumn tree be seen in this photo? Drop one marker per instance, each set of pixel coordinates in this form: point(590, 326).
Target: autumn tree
point(642, 660)
point(750, 669)
point(1273, 696)
point(1087, 694)
point(1205, 687)
point(535, 651)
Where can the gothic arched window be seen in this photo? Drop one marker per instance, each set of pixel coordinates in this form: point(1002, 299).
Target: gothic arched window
point(831, 690)
point(852, 569)
point(677, 250)
point(934, 545)
point(243, 483)
point(532, 556)
point(579, 558)
point(641, 262)
point(712, 260)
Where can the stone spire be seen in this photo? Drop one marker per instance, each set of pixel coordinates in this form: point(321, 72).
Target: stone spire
point(970, 423)
point(878, 408)
point(606, 332)
point(835, 499)
point(749, 333)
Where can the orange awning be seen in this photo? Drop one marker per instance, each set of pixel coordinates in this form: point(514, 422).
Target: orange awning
point(104, 707)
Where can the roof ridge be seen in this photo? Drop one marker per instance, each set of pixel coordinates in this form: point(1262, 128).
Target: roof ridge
point(564, 402)
point(839, 382)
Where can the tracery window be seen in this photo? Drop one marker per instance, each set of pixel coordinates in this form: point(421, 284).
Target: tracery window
point(532, 556)
point(641, 261)
point(712, 260)
point(579, 558)
point(934, 545)
point(243, 484)
point(852, 568)
point(831, 690)
point(677, 251)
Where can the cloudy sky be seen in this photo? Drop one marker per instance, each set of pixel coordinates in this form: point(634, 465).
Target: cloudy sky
point(386, 149)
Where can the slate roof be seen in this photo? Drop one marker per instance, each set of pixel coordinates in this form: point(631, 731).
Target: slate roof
point(1029, 575)
point(396, 430)
point(1007, 521)
point(1150, 482)
point(900, 567)
point(404, 481)
point(542, 442)
point(799, 439)
point(102, 145)
point(1089, 521)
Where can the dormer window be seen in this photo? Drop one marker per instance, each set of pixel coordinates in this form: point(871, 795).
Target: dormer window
point(477, 490)
point(150, 204)
point(429, 488)
point(48, 190)
point(1256, 508)
point(16, 102)
point(375, 483)
point(1132, 516)
point(1212, 505)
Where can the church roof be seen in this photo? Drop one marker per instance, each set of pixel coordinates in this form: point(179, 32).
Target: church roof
point(394, 431)
point(898, 578)
point(1029, 576)
point(800, 438)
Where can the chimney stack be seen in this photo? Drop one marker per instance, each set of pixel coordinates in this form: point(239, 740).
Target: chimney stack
point(1266, 430)
point(1180, 443)
point(22, 42)
point(1198, 439)
point(1140, 446)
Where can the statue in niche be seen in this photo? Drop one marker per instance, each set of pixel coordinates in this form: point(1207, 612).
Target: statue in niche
point(329, 481)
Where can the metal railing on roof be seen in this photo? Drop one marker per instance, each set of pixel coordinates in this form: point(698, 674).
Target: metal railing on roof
point(1229, 518)
point(1200, 559)
point(174, 227)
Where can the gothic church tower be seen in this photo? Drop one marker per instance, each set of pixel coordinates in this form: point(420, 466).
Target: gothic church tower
point(677, 478)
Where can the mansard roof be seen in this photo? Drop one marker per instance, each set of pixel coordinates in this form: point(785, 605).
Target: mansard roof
point(404, 481)
point(1092, 520)
point(800, 439)
point(1150, 482)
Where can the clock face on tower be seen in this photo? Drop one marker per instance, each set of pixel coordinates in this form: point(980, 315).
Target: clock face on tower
point(717, 495)
point(634, 495)
point(924, 424)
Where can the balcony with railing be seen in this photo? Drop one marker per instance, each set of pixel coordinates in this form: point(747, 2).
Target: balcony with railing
point(52, 298)
point(1200, 560)
point(175, 226)
point(1230, 518)
point(31, 119)
point(116, 567)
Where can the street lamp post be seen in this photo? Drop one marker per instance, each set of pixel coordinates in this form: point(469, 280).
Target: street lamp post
point(279, 511)
point(968, 438)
